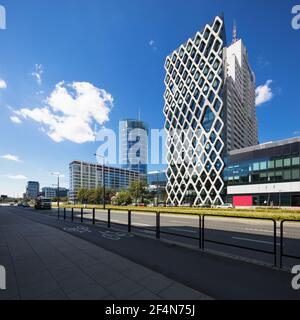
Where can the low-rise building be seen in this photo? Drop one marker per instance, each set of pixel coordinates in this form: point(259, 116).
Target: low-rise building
point(90, 176)
point(51, 192)
point(267, 174)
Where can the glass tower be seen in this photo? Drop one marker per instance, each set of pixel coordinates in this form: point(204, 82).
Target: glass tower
point(134, 145)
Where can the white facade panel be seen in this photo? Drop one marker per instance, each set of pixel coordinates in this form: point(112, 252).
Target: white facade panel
point(285, 187)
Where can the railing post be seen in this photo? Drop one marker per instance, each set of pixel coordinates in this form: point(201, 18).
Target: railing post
point(281, 243)
point(129, 221)
point(94, 216)
point(157, 225)
point(275, 243)
point(108, 218)
point(203, 235)
point(58, 213)
point(81, 215)
point(65, 213)
point(72, 214)
point(200, 232)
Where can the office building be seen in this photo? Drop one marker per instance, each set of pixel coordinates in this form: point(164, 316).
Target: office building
point(267, 174)
point(90, 176)
point(209, 110)
point(157, 178)
point(32, 189)
point(51, 193)
point(157, 182)
point(134, 145)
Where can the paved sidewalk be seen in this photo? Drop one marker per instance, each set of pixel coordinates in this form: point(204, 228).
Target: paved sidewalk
point(45, 263)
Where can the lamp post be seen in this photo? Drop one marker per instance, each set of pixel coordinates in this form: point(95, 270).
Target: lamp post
point(157, 186)
point(103, 177)
point(58, 175)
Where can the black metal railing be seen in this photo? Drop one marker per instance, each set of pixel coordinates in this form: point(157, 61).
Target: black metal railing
point(272, 252)
point(202, 228)
point(282, 253)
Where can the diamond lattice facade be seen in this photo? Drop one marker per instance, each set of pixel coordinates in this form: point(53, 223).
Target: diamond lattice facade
point(209, 110)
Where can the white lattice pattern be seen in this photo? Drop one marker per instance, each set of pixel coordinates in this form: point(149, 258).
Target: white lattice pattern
point(194, 124)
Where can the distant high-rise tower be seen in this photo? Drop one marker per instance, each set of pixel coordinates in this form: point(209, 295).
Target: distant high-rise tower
point(134, 145)
point(241, 129)
point(32, 189)
point(209, 109)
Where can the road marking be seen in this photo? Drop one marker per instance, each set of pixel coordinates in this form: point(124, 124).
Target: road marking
point(118, 221)
point(180, 222)
point(141, 224)
point(259, 230)
point(78, 229)
point(252, 240)
point(184, 230)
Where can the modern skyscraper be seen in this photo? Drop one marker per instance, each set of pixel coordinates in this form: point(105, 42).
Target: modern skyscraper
point(240, 117)
point(209, 109)
point(32, 189)
point(134, 145)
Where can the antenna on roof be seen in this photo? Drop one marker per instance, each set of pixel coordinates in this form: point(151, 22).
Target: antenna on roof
point(234, 37)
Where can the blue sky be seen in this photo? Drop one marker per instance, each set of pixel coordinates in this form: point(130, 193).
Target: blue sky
point(119, 46)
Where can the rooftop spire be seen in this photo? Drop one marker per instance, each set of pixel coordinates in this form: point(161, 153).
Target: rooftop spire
point(234, 37)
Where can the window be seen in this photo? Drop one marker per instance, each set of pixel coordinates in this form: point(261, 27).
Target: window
point(287, 162)
point(279, 175)
point(296, 161)
point(287, 175)
point(279, 163)
point(271, 176)
point(271, 164)
point(263, 165)
point(208, 119)
point(263, 177)
point(256, 166)
point(295, 174)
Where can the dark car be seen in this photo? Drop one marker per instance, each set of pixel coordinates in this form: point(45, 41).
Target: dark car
point(43, 204)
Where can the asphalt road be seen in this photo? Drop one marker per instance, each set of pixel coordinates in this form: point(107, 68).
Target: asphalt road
point(217, 276)
point(248, 233)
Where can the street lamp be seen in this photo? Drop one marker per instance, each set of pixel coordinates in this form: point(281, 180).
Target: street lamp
point(103, 177)
point(58, 175)
point(157, 186)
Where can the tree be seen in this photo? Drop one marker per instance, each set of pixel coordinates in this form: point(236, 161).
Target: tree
point(83, 195)
point(138, 190)
point(96, 196)
point(122, 197)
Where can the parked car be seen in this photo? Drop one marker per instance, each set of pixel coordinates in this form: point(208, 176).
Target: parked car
point(25, 205)
point(205, 206)
point(143, 205)
point(225, 206)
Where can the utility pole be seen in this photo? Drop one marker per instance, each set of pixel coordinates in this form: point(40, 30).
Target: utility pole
point(57, 174)
point(103, 178)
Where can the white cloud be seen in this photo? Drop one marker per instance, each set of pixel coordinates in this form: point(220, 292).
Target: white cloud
point(37, 74)
point(152, 45)
point(16, 177)
point(3, 84)
point(70, 112)
point(15, 119)
point(11, 157)
point(264, 93)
